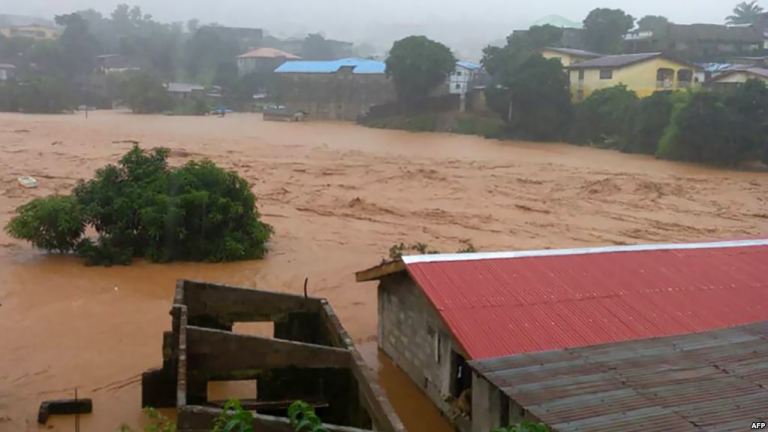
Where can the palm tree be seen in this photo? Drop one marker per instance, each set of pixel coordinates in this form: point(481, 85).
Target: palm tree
point(745, 13)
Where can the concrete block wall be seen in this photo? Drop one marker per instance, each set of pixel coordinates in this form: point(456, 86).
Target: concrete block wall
point(407, 327)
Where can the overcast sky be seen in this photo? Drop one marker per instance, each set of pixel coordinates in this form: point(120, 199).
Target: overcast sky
point(377, 20)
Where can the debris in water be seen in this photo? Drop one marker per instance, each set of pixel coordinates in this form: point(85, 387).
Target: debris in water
point(28, 182)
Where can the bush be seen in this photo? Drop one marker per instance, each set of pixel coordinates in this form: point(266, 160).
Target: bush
point(42, 95)
point(603, 119)
point(142, 208)
point(195, 106)
point(702, 131)
point(303, 418)
point(55, 223)
point(233, 419)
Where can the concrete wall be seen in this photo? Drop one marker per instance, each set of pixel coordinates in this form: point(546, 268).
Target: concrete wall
point(333, 96)
point(408, 329)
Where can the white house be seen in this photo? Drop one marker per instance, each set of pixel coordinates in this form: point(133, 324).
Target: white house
point(460, 80)
point(6, 71)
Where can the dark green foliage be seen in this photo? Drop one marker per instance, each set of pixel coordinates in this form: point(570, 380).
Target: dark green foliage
point(144, 94)
point(233, 419)
point(41, 95)
point(503, 61)
point(539, 100)
point(55, 223)
point(142, 208)
point(748, 105)
point(604, 118)
point(303, 418)
point(745, 13)
point(704, 132)
point(650, 118)
point(78, 48)
point(525, 426)
point(194, 106)
point(417, 65)
point(604, 29)
point(206, 50)
point(655, 23)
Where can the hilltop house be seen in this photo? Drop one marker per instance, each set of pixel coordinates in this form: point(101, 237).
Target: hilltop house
point(184, 90)
point(568, 56)
point(644, 73)
point(462, 77)
point(438, 313)
point(263, 60)
point(32, 31)
point(697, 42)
point(333, 90)
point(107, 64)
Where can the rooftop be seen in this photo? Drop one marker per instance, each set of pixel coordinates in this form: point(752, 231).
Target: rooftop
point(574, 52)
point(358, 65)
point(468, 65)
point(713, 381)
point(558, 21)
point(754, 71)
point(176, 87)
point(614, 61)
point(269, 53)
point(507, 303)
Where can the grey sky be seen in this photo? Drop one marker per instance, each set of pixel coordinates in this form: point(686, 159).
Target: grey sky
point(459, 23)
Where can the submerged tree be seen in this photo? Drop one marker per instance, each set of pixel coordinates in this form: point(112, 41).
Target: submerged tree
point(143, 208)
point(418, 65)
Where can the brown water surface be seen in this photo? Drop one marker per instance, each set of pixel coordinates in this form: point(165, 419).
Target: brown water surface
point(338, 196)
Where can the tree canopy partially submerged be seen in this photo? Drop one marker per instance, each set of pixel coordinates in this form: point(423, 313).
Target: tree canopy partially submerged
point(143, 208)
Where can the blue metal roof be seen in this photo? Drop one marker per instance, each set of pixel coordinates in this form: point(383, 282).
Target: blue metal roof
point(468, 65)
point(360, 66)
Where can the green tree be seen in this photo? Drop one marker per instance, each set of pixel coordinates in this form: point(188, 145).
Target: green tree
point(77, 46)
point(206, 50)
point(745, 13)
point(144, 94)
point(748, 104)
point(520, 46)
point(604, 29)
point(655, 23)
point(534, 99)
point(649, 120)
point(316, 47)
point(603, 119)
point(142, 208)
point(418, 65)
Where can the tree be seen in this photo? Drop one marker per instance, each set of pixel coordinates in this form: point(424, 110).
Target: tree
point(418, 65)
point(538, 102)
point(649, 120)
point(748, 104)
point(206, 50)
point(745, 13)
point(520, 46)
point(143, 208)
point(604, 29)
point(144, 94)
point(654, 23)
point(316, 47)
point(603, 119)
point(78, 47)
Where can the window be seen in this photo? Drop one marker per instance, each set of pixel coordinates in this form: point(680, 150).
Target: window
point(606, 74)
point(458, 73)
point(458, 86)
point(581, 74)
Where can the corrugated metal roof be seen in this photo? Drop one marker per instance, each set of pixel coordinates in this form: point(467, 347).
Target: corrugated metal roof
point(613, 61)
point(520, 302)
point(360, 66)
point(574, 52)
point(468, 65)
point(714, 381)
point(269, 53)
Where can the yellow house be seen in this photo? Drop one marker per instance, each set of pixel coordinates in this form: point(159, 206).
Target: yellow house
point(568, 56)
point(31, 31)
point(644, 73)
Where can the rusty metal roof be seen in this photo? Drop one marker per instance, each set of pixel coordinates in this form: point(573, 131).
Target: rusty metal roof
point(713, 381)
point(498, 304)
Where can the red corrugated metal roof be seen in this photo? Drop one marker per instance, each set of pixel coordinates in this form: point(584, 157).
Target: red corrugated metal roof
point(547, 300)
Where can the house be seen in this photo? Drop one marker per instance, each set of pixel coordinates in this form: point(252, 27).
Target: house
point(262, 60)
point(108, 64)
point(184, 90)
point(439, 312)
point(644, 73)
point(461, 79)
point(568, 56)
point(697, 42)
point(7, 71)
point(739, 75)
point(244, 36)
point(33, 31)
point(333, 90)
point(709, 381)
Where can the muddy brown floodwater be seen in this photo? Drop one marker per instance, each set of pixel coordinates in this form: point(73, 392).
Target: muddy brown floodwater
point(338, 196)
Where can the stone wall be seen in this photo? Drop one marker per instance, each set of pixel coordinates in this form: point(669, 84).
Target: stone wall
point(408, 329)
point(333, 96)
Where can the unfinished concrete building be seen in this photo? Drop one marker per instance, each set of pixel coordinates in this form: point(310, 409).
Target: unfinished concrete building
point(310, 358)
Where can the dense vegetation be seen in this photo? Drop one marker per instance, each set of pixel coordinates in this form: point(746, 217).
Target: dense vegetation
point(143, 208)
point(417, 65)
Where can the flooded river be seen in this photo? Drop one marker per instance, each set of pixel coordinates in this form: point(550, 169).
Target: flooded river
point(338, 196)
